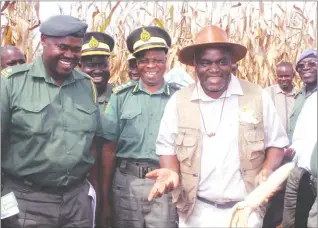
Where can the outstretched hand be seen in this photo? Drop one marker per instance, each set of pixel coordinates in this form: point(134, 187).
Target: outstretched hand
point(165, 180)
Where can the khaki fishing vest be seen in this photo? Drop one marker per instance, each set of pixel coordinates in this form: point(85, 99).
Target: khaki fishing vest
point(189, 143)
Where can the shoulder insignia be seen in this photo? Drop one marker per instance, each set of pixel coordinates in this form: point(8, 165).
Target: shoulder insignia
point(123, 87)
point(9, 71)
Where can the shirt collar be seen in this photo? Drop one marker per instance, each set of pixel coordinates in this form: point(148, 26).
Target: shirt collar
point(38, 70)
point(279, 90)
point(234, 88)
point(164, 89)
point(303, 92)
point(105, 96)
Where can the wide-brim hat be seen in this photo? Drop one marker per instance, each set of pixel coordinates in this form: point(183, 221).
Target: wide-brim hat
point(97, 43)
point(146, 38)
point(211, 36)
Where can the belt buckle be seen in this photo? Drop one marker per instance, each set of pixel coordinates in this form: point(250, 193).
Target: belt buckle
point(143, 171)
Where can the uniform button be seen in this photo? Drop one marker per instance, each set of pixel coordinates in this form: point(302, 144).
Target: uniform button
point(68, 152)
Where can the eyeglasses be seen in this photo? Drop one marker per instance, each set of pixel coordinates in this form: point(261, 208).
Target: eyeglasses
point(302, 66)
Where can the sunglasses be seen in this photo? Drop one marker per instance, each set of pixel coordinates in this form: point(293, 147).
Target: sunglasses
point(302, 66)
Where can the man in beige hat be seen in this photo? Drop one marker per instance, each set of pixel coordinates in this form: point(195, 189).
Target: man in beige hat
point(228, 141)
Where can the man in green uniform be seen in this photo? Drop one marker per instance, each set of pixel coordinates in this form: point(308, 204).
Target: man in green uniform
point(306, 67)
point(49, 119)
point(94, 61)
point(131, 125)
point(132, 68)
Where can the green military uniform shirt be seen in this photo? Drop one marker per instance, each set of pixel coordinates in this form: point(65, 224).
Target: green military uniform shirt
point(103, 100)
point(299, 104)
point(47, 130)
point(132, 118)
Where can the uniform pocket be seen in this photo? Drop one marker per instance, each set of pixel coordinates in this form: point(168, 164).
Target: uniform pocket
point(131, 123)
point(86, 117)
point(32, 117)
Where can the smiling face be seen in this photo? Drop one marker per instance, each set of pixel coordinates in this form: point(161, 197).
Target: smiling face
point(307, 69)
point(285, 77)
point(11, 57)
point(213, 67)
point(97, 67)
point(152, 66)
point(61, 54)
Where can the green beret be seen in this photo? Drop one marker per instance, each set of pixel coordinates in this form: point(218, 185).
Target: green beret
point(148, 37)
point(97, 43)
point(63, 25)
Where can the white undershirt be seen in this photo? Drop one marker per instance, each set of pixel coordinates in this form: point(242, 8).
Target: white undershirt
point(305, 134)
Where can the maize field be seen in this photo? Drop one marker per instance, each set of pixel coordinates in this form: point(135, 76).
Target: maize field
point(271, 31)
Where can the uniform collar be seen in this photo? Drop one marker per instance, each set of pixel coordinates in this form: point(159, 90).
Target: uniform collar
point(105, 96)
point(279, 90)
point(234, 88)
point(164, 89)
point(38, 70)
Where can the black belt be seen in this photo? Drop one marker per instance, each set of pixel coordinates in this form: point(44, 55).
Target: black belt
point(223, 205)
point(133, 167)
point(40, 188)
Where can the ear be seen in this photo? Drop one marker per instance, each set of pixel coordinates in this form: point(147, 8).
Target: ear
point(43, 40)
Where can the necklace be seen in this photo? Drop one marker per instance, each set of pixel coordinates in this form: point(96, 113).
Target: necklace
point(214, 133)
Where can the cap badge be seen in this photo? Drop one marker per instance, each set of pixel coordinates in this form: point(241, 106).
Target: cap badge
point(144, 35)
point(93, 43)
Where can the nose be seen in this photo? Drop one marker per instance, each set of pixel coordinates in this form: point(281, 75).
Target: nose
point(214, 68)
point(69, 54)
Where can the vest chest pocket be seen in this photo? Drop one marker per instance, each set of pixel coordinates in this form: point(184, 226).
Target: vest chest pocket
point(186, 146)
point(254, 137)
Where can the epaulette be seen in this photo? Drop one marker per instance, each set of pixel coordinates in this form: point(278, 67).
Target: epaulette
point(123, 87)
point(9, 71)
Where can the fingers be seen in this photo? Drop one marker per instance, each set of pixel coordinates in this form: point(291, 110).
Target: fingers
point(153, 174)
point(157, 190)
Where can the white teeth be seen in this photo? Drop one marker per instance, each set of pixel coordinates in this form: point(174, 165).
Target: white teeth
point(65, 63)
point(151, 73)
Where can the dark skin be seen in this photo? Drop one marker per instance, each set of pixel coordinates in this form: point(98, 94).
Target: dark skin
point(152, 66)
point(285, 77)
point(60, 56)
point(108, 167)
point(12, 56)
point(97, 66)
point(213, 67)
point(234, 68)
point(133, 70)
point(308, 73)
